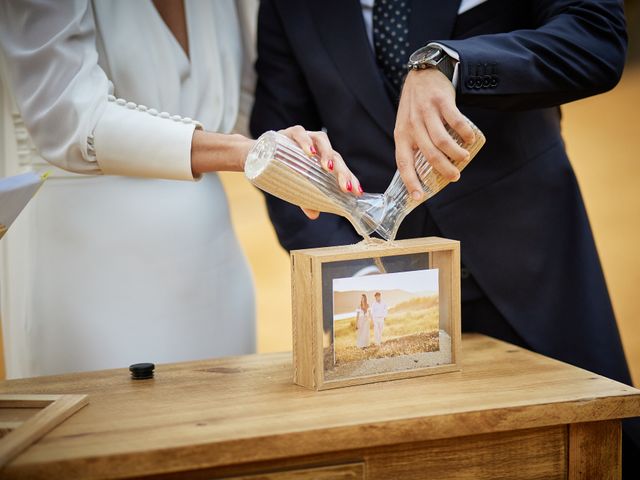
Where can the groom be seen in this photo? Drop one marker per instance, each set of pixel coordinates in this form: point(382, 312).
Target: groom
point(531, 272)
point(379, 312)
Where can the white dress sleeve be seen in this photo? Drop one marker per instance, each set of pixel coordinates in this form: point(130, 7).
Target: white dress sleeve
point(50, 62)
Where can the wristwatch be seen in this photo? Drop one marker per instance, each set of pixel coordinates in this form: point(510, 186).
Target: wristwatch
point(431, 56)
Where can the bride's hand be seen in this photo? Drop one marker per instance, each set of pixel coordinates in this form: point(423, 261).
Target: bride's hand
point(317, 145)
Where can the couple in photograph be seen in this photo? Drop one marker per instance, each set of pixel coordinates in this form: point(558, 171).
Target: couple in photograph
point(365, 314)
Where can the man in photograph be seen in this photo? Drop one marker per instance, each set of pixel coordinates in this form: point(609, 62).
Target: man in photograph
point(379, 313)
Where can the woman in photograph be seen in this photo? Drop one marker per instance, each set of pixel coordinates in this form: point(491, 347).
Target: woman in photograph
point(113, 263)
point(363, 322)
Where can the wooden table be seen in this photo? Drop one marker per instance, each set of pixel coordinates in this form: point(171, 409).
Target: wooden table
point(508, 414)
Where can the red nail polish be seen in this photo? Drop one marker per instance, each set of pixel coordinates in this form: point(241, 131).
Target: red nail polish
point(313, 149)
point(349, 186)
point(330, 165)
point(360, 189)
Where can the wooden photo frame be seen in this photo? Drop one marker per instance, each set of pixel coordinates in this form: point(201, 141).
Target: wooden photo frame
point(339, 315)
point(24, 419)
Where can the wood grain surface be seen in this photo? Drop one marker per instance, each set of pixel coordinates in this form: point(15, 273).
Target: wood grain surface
point(595, 451)
point(246, 409)
point(53, 409)
point(338, 472)
point(532, 454)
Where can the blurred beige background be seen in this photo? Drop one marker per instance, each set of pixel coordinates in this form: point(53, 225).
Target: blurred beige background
point(602, 138)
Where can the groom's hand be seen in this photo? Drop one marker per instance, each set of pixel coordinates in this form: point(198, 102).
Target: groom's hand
point(427, 105)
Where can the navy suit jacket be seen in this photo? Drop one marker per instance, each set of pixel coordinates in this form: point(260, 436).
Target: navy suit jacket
point(517, 209)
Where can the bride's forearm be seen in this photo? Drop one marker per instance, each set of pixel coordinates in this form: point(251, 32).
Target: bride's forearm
point(216, 152)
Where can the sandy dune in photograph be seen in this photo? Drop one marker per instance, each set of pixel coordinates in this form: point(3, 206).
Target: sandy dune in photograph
point(345, 302)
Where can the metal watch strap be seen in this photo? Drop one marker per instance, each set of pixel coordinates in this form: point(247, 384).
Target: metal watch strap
point(446, 66)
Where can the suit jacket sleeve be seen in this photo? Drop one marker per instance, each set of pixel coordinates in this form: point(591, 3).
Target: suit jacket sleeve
point(283, 99)
point(576, 49)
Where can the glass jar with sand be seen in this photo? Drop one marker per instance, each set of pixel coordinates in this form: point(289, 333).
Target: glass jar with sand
point(278, 166)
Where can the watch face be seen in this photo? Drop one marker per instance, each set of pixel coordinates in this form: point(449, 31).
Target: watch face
point(426, 55)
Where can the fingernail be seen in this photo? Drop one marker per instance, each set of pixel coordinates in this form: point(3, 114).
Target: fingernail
point(416, 195)
point(330, 165)
point(313, 150)
point(360, 189)
point(349, 186)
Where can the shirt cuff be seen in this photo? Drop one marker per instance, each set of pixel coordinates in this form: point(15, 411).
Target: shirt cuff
point(456, 60)
point(135, 141)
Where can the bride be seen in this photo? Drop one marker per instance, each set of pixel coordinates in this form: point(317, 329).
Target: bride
point(363, 323)
point(115, 263)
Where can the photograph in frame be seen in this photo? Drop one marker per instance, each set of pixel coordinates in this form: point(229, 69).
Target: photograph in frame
point(398, 329)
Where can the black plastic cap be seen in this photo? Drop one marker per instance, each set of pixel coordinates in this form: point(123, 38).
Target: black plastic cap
point(142, 371)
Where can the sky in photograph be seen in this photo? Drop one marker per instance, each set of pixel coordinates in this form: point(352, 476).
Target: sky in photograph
point(414, 281)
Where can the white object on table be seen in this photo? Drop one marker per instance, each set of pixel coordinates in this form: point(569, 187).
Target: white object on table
point(15, 193)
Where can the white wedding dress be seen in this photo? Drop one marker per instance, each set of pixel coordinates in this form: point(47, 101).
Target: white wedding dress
point(363, 321)
point(104, 271)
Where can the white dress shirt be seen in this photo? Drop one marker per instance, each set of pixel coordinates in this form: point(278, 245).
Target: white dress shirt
point(367, 14)
point(378, 309)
